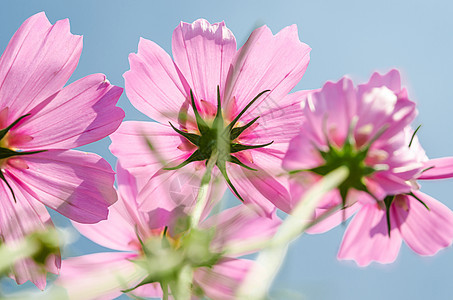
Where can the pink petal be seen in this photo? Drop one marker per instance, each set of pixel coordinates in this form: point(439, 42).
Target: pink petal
point(17, 220)
point(267, 62)
point(225, 277)
point(81, 113)
point(153, 84)
point(203, 52)
point(425, 231)
point(260, 187)
point(302, 154)
point(439, 168)
point(99, 275)
point(174, 190)
point(278, 122)
point(117, 232)
point(140, 160)
point(334, 220)
point(78, 185)
point(37, 63)
point(240, 223)
point(391, 80)
point(340, 100)
point(366, 238)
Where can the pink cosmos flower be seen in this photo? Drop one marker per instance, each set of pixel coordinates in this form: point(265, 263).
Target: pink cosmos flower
point(363, 129)
point(211, 98)
point(128, 230)
point(425, 224)
point(39, 121)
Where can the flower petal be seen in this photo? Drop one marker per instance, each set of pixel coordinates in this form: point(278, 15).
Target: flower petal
point(78, 185)
point(141, 160)
point(223, 279)
point(153, 84)
point(261, 188)
point(425, 231)
point(439, 168)
point(81, 113)
point(99, 275)
point(240, 224)
point(334, 220)
point(37, 63)
point(366, 238)
point(267, 62)
point(204, 52)
point(19, 219)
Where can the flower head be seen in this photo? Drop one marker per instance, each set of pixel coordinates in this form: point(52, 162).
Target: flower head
point(212, 99)
point(361, 128)
point(159, 246)
point(40, 120)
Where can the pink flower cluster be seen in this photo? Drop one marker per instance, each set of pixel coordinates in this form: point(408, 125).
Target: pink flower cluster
point(219, 113)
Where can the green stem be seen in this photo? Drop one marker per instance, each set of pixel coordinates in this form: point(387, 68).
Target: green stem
point(270, 259)
point(202, 196)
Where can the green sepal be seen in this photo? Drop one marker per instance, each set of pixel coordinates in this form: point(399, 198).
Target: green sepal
point(388, 203)
point(235, 160)
point(2, 177)
point(237, 131)
point(222, 168)
point(196, 156)
point(413, 135)
point(239, 147)
point(4, 131)
point(201, 124)
point(419, 200)
point(6, 153)
point(231, 125)
point(191, 137)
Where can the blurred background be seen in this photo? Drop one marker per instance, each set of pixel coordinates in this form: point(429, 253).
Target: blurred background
point(347, 37)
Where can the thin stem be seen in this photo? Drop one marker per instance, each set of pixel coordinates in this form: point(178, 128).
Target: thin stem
point(202, 196)
point(270, 259)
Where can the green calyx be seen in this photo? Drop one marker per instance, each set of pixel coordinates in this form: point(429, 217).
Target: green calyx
point(7, 153)
point(218, 138)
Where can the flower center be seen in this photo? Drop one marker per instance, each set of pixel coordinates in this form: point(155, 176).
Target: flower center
point(218, 138)
point(6, 152)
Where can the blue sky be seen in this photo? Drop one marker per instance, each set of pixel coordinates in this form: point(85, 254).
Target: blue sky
point(347, 37)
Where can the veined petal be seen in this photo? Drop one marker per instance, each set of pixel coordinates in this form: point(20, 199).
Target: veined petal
point(99, 275)
point(223, 279)
point(37, 63)
point(260, 188)
point(439, 168)
point(334, 220)
point(153, 84)
point(140, 159)
point(17, 220)
point(391, 80)
point(78, 185)
point(267, 62)
point(239, 224)
point(425, 231)
point(81, 113)
point(366, 238)
point(278, 122)
point(204, 52)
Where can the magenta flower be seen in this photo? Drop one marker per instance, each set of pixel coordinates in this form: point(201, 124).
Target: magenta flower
point(361, 128)
point(131, 230)
point(425, 224)
point(212, 98)
point(40, 120)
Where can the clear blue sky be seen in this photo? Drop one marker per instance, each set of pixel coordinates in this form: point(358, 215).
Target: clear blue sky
point(347, 37)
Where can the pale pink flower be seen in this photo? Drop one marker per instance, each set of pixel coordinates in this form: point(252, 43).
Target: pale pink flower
point(364, 129)
point(361, 128)
point(40, 120)
point(127, 228)
point(426, 225)
point(249, 120)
